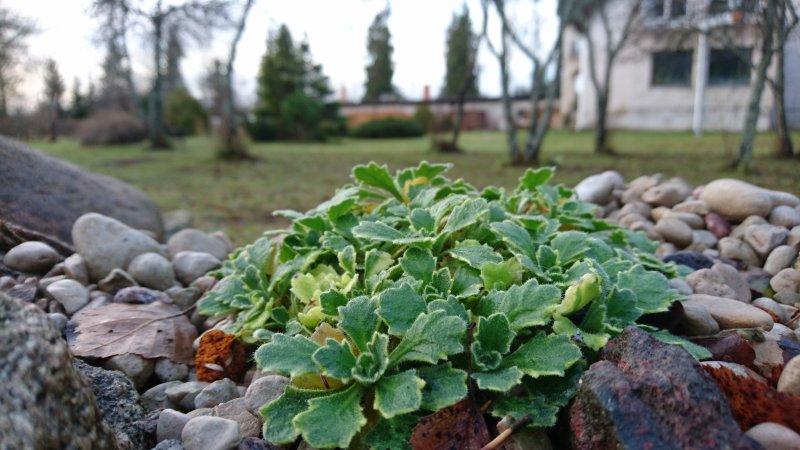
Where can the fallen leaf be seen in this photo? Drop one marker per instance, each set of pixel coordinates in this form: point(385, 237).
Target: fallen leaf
point(458, 427)
point(155, 330)
point(753, 402)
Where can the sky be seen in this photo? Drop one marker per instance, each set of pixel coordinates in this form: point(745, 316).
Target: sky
point(336, 31)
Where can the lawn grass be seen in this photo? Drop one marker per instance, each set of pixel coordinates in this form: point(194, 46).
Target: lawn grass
point(240, 197)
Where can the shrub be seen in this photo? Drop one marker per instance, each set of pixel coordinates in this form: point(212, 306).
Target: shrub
point(111, 127)
point(389, 127)
point(184, 115)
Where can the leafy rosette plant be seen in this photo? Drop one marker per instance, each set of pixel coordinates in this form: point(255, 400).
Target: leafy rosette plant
point(402, 295)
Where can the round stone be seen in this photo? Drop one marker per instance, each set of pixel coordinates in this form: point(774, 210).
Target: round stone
point(71, 294)
point(152, 270)
point(31, 256)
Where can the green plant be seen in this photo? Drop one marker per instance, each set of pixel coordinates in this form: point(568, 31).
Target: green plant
point(388, 127)
point(400, 295)
point(184, 114)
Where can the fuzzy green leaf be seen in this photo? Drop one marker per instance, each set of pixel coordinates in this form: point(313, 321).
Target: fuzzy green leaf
point(501, 380)
point(347, 259)
point(377, 231)
point(433, 336)
point(653, 293)
point(332, 420)
point(379, 177)
point(699, 352)
point(451, 307)
point(570, 245)
point(400, 307)
point(474, 254)
point(566, 327)
point(535, 178)
point(394, 433)
point(422, 220)
point(544, 354)
point(373, 361)
point(516, 237)
point(336, 359)
point(501, 276)
point(536, 408)
point(359, 319)
point(398, 394)
point(331, 301)
point(444, 386)
point(465, 214)
point(580, 293)
point(278, 414)
point(530, 305)
point(418, 263)
point(492, 340)
point(465, 283)
point(287, 355)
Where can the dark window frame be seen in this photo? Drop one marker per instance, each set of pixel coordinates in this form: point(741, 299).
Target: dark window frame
point(738, 72)
point(671, 68)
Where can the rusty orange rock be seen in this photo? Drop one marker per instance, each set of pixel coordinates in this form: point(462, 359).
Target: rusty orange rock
point(219, 356)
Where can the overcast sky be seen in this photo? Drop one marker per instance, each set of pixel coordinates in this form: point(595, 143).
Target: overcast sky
point(336, 31)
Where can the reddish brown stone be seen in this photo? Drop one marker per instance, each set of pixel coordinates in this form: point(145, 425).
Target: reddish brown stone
point(717, 225)
point(220, 350)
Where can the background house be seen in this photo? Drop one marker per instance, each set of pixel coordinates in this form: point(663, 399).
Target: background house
point(684, 67)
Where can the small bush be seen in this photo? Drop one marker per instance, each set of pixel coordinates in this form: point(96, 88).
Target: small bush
point(389, 127)
point(111, 127)
point(184, 115)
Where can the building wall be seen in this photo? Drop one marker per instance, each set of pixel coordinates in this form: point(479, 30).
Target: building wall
point(635, 103)
point(792, 73)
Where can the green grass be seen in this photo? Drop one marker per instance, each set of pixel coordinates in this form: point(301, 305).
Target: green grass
point(240, 198)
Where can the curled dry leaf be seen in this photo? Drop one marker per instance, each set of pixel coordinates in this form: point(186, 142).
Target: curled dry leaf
point(460, 426)
point(753, 402)
point(156, 330)
point(219, 356)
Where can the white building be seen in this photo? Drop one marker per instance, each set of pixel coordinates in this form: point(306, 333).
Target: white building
point(676, 73)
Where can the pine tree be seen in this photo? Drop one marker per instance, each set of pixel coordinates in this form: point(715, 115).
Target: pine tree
point(80, 104)
point(380, 69)
point(462, 48)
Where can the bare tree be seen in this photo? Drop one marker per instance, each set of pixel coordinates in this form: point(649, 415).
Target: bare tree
point(501, 55)
point(232, 147)
point(54, 89)
point(14, 31)
point(196, 18)
point(613, 40)
point(539, 122)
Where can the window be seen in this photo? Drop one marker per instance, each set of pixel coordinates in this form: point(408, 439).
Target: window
point(654, 8)
point(718, 7)
point(677, 8)
point(729, 67)
point(672, 68)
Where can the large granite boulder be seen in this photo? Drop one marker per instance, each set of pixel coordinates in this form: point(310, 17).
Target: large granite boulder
point(46, 194)
point(45, 402)
point(648, 394)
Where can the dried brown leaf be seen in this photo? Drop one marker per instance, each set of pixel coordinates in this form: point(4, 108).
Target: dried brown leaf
point(155, 330)
point(460, 426)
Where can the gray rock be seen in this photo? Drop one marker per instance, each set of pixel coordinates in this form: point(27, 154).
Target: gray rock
point(773, 307)
point(697, 321)
point(692, 206)
point(703, 239)
point(665, 249)
point(526, 438)
point(6, 283)
point(170, 424)
point(636, 207)
point(786, 285)
point(236, 410)
point(44, 283)
point(31, 256)
point(45, 401)
point(192, 240)
point(215, 393)
point(45, 194)
point(648, 228)
point(675, 231)
point(59, 321)
point(793, 238)
point(203, 283)
point(210, 433)
point(176, 220)
point(669, 193)
point(774, 436)
point(183, 298)
point(732, 248)
point(25, 291)
point(637, 187)
point(693, 220)
point(168, 370)
point(738, 231)
point(190, 266)
point(721, 280)
point(56, 270)
point(784, 216)
point(782, 257)
point(115, 281)
point(597, 189)
point(75, 268)
point(153, 271)
point(681, 286)
point(169, 444)
point(135, 367)
point(264, 390)
point(201, 412)
point(659, 212)
point(184, 394)
point(729, 313)
point(790, 377)
point(156, 397)
point(629, 219)
point(736, 200)
point(764, 238)
point(118, 402)
point(137, 295)
point(106, 244)
point(71, 294)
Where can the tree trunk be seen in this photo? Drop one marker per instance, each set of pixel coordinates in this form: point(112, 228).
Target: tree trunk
point(784, 147)
point(53, 125)
point(601, 128)
point(511, 129)
point(158, 139)
point(3, 101)
point(754, 104)
point(232, 146)
point(536, 135)
point(531, 147)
